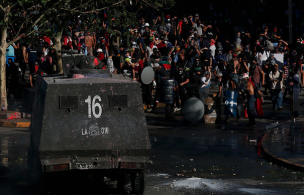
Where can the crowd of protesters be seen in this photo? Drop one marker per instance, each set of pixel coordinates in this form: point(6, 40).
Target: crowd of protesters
point(237, 54)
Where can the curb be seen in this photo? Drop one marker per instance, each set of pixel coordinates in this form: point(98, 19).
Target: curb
point(159, 105)
point(23, 123)
point(275, 158)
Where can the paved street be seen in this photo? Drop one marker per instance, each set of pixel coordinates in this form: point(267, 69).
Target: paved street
point(185, 159)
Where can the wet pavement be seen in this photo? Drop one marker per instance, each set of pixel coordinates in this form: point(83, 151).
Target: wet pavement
point(185, 159)
point(285, 143)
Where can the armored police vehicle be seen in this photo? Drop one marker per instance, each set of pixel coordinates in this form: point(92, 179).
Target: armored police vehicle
point(90, 121)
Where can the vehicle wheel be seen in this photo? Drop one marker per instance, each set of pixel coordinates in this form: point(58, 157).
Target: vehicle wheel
point(124, 183)
point(139, 183)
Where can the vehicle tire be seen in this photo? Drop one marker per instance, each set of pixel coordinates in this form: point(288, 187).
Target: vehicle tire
point(124, 183)
point(138, 183)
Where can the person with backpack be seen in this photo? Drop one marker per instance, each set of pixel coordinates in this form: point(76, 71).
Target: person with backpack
point(276, 78)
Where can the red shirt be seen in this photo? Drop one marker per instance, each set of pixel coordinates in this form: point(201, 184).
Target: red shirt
point(101, 56)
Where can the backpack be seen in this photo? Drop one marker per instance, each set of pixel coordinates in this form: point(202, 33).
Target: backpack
point(230, 67)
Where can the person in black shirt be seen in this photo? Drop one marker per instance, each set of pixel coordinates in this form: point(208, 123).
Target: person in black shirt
point(210, 33)
point(266, 69)
point(182, 79)
point(196, 73)
point(12, 76)
point(207, 59)
point(166, 50)
point(275, 37)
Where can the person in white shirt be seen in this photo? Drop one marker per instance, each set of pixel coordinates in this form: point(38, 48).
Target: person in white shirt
point(276, 79)
point(204, 86)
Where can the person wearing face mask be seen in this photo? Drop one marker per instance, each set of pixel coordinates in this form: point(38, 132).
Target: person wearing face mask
point(196, 72)
point(185, 28)
point(149, 49)
point(168, 23)
point(165, 51)
point(276, 79)
point(299, 45)
point(162, 29)
point(257, 47)
point(182, 79)
point(275, 37)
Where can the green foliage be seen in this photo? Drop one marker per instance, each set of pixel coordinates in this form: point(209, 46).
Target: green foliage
point(54, 16)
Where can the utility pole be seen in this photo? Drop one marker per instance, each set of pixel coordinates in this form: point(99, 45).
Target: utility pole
point(290, 20)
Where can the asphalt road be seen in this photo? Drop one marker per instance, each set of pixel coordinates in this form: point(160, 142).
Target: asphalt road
point(185, 159)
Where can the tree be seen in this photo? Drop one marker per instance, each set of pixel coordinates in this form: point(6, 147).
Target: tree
point(23, 16)
point(15, 16)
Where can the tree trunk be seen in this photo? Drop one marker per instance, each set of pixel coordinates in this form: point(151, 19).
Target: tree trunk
point(3, 46)
point(57, 45)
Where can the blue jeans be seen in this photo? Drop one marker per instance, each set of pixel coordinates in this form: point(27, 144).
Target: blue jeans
point(275, 44)
point(250, 109)
point(277, 98)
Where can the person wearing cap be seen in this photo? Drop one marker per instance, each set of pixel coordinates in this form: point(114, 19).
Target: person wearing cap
point(100, 55)
point(212, 48)
point(276, 78)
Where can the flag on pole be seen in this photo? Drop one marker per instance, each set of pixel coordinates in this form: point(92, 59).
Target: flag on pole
point(231, 102)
